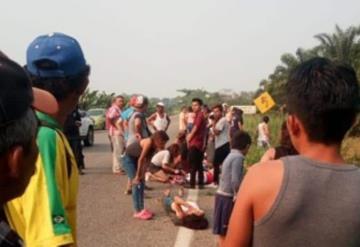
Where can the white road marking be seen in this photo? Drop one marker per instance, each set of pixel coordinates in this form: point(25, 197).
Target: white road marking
point(185, 235)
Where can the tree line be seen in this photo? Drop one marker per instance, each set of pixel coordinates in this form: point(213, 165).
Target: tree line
point(343, 46)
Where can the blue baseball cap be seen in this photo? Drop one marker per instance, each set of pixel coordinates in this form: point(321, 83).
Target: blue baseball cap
point(55, 55)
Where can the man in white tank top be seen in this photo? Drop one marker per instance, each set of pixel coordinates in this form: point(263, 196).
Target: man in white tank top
point(159, 120)
point(263, 133)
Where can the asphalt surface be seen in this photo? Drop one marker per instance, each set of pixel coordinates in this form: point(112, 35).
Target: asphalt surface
point(105, 212)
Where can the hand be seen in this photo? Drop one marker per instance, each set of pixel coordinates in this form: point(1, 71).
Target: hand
point(136, 180)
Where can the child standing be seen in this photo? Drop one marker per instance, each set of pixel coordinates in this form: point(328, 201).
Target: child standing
point(231, 176)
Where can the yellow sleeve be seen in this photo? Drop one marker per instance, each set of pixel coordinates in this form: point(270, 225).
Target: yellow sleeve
point(39, 215)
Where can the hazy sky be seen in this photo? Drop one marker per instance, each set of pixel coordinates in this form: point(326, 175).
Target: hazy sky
point(157, 46)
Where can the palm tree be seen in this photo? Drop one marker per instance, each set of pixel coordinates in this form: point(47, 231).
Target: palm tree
point(342, 46)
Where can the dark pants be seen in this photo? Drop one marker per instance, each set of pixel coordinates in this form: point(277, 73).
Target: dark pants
point(220, 154)
point(75, 144)
point(195, 159)
point(222, 213)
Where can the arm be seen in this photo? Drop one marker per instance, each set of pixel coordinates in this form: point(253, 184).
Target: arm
point(219, 126)
point(113, 116)
point(169, 121)
point(165, 163)
point(185, 120)
point(197, 124)
point(240, 125)
point(146, 146)
point(192, 133)
point(258, 192)
point(167, 168)
point(151, 120)
point(236, 174)
point(119, 125)
point(240, 229)
point(138, 127)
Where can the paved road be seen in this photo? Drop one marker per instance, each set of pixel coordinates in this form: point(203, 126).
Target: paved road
point(105, 213)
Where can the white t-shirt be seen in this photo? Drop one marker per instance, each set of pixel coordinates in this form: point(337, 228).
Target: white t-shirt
point(161, 158)
point(262, 136)
point(223, 126)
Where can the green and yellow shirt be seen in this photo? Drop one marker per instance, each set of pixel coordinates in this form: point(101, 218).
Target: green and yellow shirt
point(45, 215)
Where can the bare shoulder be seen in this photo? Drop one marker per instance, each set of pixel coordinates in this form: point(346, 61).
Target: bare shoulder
point(145, 142)
point(266, 168)
point(265, 181)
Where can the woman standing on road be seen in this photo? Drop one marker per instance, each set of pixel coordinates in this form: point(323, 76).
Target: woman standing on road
point(136, 158)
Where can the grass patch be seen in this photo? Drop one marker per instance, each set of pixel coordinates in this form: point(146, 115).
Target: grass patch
point(350, 146)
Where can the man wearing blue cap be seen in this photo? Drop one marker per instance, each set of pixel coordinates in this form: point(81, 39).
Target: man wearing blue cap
point(45, 215)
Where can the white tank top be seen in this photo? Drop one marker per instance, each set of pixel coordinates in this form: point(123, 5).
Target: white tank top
point(262, 136)
point(161, 123)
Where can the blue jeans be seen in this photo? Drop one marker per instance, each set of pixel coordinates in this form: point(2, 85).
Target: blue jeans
point(130, 166)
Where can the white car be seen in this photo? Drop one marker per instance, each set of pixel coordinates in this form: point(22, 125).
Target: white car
point(87, 128)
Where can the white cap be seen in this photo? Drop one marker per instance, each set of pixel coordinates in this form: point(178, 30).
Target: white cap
point(160, 104)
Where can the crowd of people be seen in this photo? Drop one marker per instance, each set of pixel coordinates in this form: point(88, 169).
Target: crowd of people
point(301, 193)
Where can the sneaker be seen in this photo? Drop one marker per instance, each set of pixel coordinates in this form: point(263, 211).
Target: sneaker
point(147, 211)
point(142, 215)
point(138, 215)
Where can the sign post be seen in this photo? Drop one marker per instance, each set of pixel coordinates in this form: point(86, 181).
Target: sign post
point(264, 102)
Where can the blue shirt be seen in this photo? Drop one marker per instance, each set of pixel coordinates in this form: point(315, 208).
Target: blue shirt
point(125, 116)
point(232, 173)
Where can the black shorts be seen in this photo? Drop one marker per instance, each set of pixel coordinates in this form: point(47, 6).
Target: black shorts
point(222, 212)
point(153, 168)
point(221, 153)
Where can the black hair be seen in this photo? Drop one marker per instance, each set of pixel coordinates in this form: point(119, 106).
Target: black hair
point(218, 106)
point(323, 95)
point(61, 88)
point(266, 119)
point(238, 111)
point(240, 140)
point(118, 97)
point(160, 135)
point(191, 221)
point(174, 150)
point(198, 100)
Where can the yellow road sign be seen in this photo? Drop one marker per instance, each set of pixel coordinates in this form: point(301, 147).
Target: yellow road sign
point(264, 102)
